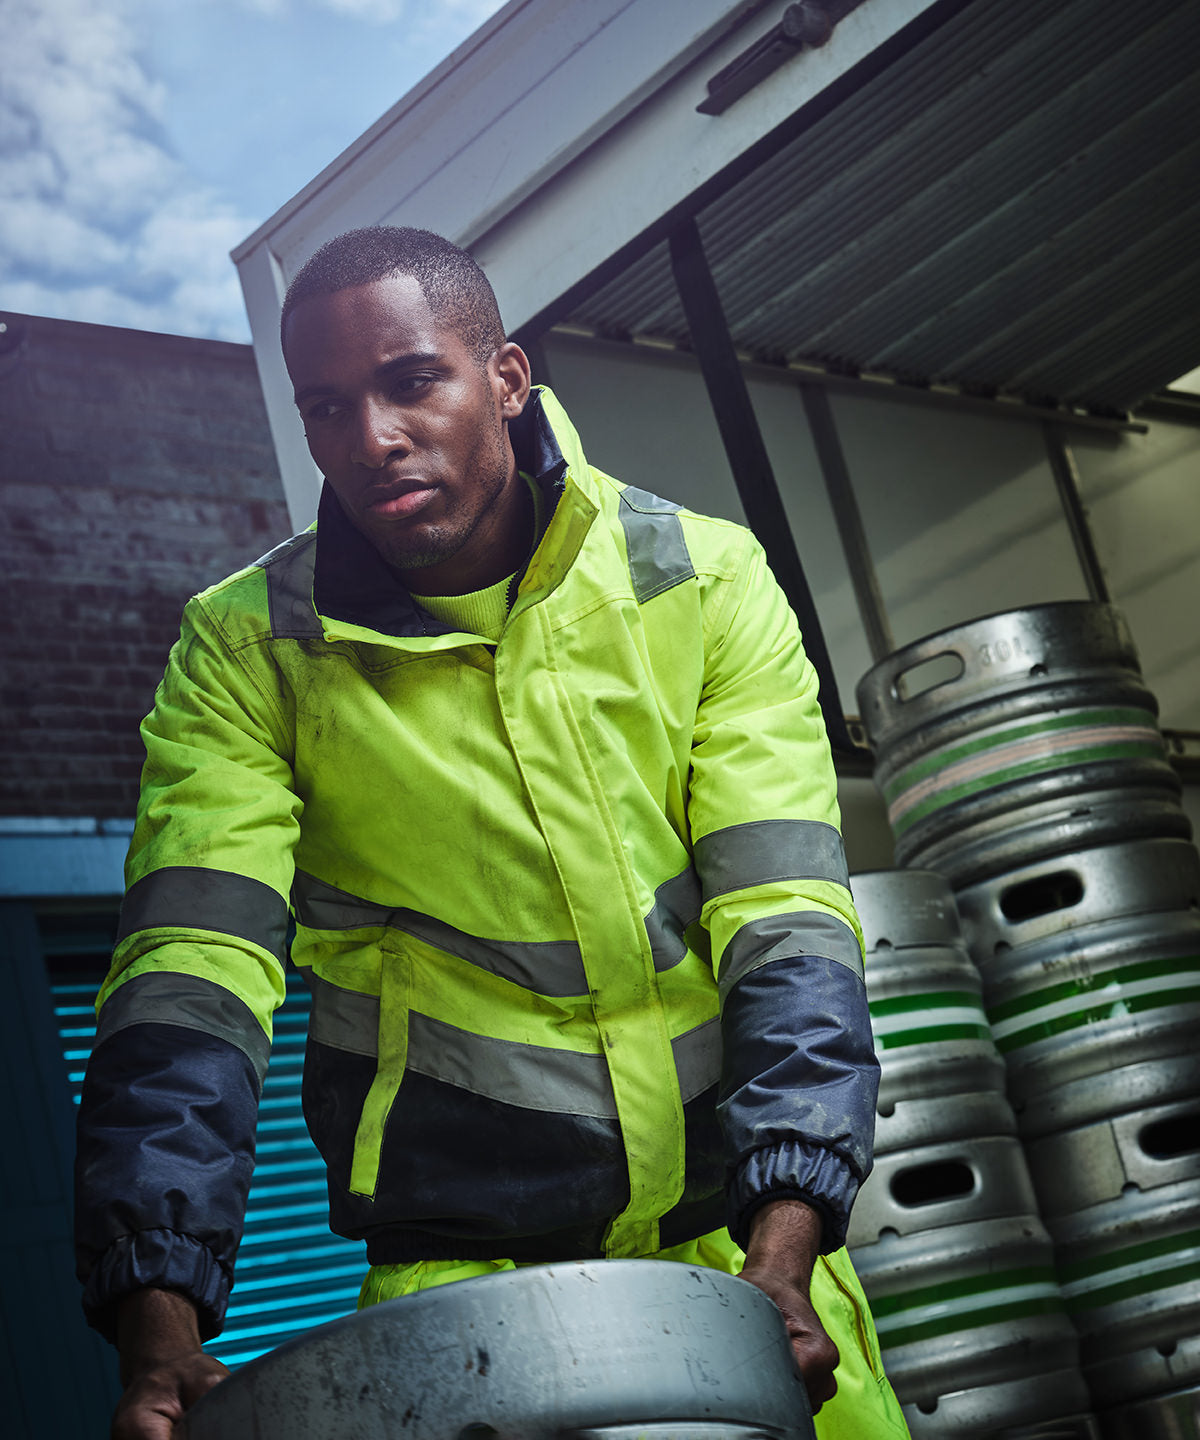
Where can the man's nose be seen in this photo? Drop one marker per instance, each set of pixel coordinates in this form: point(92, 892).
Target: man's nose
point(378, 434)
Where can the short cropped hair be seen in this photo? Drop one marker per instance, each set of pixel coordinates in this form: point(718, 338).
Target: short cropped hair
point(457, 291)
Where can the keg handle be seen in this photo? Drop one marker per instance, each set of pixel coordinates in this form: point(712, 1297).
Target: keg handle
point(932, 1183)
point(930, 673)
point(1171, 1136)
point(1041, 895)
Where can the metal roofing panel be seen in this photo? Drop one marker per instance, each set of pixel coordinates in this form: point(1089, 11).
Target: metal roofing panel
point(1012, 208)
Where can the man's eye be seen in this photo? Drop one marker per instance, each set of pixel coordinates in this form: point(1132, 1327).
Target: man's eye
point(411, 384)
point(322, 410)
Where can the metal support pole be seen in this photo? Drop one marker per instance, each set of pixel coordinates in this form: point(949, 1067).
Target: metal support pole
point(849, 521)
point(748, 459)
point(1066, 478)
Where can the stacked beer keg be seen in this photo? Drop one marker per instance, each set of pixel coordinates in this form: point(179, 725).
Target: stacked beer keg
point(1019, 756)
point(945, 1234)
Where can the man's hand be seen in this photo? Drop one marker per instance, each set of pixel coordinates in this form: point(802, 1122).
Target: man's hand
point(785, 1239)
point(163, 1368)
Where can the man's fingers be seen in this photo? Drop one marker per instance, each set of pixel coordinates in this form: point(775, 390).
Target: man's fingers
point(816, 1355)
point(156, 1399)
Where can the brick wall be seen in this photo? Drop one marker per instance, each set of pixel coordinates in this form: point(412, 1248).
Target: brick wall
point(135, 469)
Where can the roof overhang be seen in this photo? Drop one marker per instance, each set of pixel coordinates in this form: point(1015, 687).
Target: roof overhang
point(999, 197)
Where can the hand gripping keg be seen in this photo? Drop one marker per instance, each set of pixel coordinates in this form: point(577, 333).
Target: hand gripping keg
point(604, 1350)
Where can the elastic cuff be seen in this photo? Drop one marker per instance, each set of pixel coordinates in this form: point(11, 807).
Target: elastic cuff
point(793, 1170)
point(158, 1260)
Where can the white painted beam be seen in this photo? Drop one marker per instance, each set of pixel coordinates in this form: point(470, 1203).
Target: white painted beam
point(552, 138)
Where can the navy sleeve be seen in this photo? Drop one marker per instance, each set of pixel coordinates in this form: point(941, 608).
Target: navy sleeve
point(163, 1164)
point(798, 1089)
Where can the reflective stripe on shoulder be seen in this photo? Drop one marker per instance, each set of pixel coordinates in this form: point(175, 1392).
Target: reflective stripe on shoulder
point(546, 967)
point(190, 897)
point(532, 1077)
point(169, 998)
point(784, 937)
point(676, 906)
point(658, 553)
point(289, 569)
point(762, 851)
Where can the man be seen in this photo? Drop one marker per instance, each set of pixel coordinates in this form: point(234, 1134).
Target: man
point(538, 760)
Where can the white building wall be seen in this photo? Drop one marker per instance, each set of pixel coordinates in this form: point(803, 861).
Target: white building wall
point(960, 511)
point(1143, 499)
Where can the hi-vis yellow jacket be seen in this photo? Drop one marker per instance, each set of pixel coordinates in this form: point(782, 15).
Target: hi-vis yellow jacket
point(525, 878)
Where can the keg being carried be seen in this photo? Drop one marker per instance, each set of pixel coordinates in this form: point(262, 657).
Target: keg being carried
point(615, 1349)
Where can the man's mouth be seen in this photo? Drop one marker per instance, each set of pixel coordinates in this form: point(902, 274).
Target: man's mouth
point(397, 501)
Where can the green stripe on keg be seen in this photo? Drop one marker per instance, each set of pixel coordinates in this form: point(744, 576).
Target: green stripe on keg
point(1093, 1013)
point(989, 740)
point(956, 772)
point(891, 1035)
point(1131, 1272)
point(965, 1304)
point(1101, 980)
point(902, 818)
point(931, 1035)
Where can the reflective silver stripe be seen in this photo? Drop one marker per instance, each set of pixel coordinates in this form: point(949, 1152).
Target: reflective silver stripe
point(658, 553)
point(165, 998)
point(676, 906)
point(533, 1077)
point(782, 937)
point(190, 897)
point(698, 1059)
point(547, 967)
point(763, 851)
point(289, 570)
point(342, 1019)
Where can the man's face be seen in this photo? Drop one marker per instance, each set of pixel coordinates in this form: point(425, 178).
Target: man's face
point(408, 427)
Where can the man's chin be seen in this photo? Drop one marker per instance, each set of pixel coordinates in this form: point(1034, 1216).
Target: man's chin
point(417, 554)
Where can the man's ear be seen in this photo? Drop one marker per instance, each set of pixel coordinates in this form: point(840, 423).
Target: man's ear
point(512, 377)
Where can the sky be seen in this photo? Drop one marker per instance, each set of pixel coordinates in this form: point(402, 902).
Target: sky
point(141, 140)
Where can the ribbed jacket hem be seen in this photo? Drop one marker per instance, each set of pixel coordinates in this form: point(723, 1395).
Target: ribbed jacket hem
point(160, 1260)
point(794, 1170)
point(402, 1245)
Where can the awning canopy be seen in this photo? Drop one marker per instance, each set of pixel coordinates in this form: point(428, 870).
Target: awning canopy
point(1011, 207)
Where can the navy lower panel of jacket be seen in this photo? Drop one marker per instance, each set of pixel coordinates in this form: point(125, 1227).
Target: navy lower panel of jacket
point(163, 1164)
point(798, 1089)
point(166, 1147)
point(464, 1176)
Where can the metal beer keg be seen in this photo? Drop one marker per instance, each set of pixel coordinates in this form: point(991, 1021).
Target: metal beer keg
point(1174, 1416)
point(945, 1235)
point(960, 1275)
point(1017, 736)
point(604, 1350)
point(1090, 963)
point(925, 998)
point(1091, 966)
point(1121, 1199)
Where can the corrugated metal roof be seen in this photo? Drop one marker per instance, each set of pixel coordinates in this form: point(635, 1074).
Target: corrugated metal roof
point(1014, 208)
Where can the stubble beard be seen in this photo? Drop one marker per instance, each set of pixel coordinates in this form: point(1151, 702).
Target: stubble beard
point(440, 542)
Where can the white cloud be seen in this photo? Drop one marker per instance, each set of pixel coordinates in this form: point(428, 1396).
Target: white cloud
point(100, 221)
